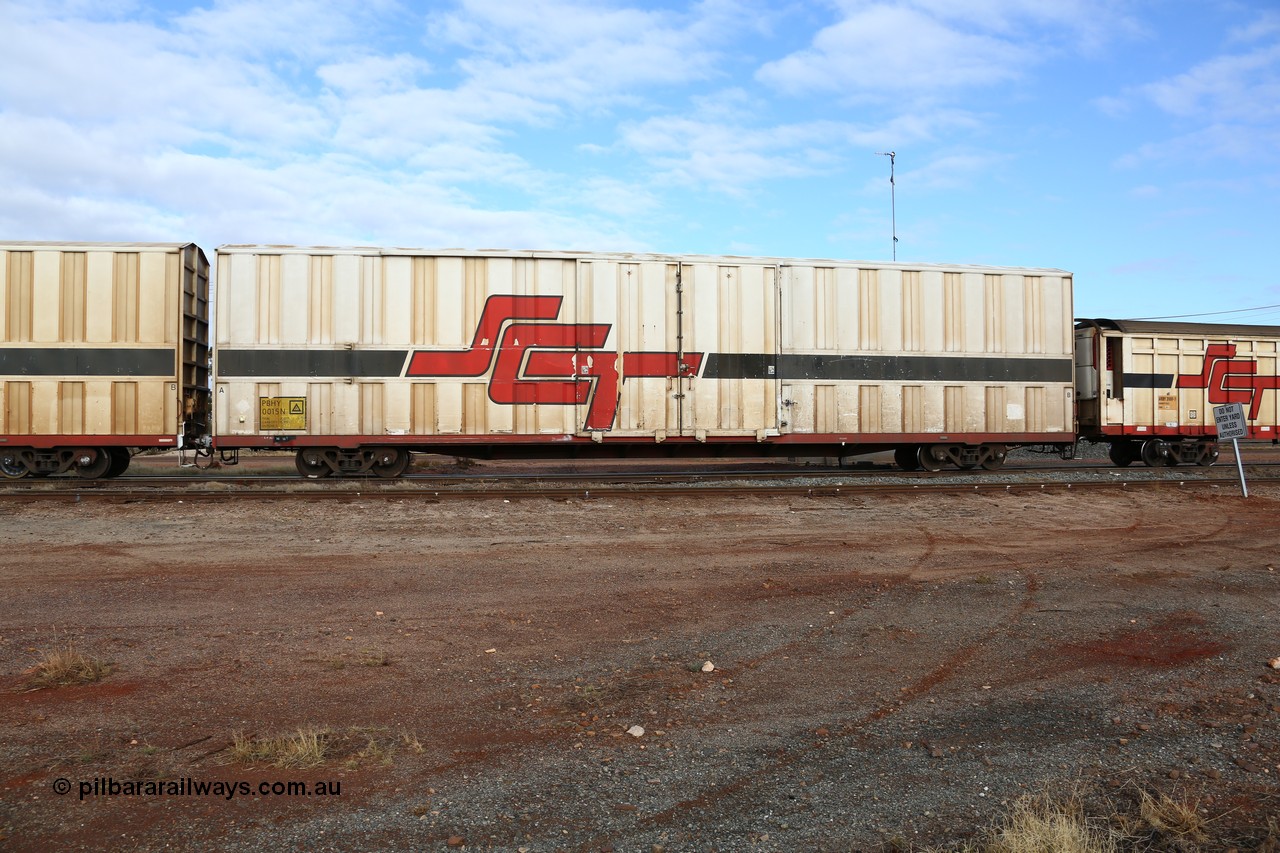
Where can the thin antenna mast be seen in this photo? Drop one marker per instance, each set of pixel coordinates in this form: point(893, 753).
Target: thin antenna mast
point(893, 200)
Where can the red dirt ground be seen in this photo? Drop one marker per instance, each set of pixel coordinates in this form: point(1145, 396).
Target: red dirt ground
point(894, 668)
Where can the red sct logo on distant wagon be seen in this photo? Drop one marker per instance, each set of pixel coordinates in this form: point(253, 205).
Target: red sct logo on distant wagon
point(532, 360)
point(1228, 379)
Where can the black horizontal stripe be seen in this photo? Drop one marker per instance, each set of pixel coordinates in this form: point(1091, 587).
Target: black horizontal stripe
point(886, 368)
point(325, 362)
point(867, 368)
point(85, 361)
point(1148, 380)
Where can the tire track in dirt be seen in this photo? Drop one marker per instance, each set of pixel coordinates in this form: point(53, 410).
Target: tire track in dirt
point(937, 675)
point(883, 585)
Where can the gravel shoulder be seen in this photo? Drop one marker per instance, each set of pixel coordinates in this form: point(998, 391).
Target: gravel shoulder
point(884, 671)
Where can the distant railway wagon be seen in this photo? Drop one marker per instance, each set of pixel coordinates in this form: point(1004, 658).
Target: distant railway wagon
point(105, 347)
point(1149, 388)
point(357, 356)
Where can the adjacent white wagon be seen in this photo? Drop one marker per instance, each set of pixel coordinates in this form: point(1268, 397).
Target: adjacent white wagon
point(105, 347)
point(1148, 388)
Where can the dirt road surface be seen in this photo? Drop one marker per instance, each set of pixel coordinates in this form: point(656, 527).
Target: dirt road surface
point(888, 671)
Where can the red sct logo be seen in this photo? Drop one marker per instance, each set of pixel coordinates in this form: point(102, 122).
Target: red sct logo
point(532, 360)
point(1229, 379)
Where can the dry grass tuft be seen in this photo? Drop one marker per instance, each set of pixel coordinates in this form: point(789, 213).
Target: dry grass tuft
point(1044, 824)
point(353, 747)
point(65, 666)
point(304, 748)
point(1151, 822)
point(411, 742)
point(367, 657)
point(1036, 824)
point(373, 753)
point(1171, 817)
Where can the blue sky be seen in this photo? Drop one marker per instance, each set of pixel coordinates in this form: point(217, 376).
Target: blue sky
point(1133, 142)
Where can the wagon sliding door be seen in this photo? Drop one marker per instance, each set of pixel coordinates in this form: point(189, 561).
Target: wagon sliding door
point(628, 317)
point(689, 351)
point(828, 314)
point(731, 319)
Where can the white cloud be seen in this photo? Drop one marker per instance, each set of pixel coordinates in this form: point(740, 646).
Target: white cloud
point(1226, 107)
point(326, 140)
point(300, 29)
point(880, 50)
point(139, 77)
point(728, 157)
point(1114, 106)
point(1084, 25)
point(725, 152)
point(551, 123)
point(587, 54)
point(1242, 87)
point(952, 171)
point(885, 50)
point(374, 75)
point(1265, 25)
point(214, 123)
point(616, 197)
point(1214, 142)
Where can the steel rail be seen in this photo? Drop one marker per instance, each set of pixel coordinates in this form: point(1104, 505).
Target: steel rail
point(130, 495)
point(424, 480)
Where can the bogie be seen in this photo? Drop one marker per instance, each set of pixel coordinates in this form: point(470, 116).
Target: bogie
point(315, 463)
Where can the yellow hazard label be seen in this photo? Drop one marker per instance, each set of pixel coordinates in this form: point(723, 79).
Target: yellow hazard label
point(282, 413)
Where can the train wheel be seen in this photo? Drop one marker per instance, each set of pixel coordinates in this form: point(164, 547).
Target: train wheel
point(906, 458)
point(929, 461)
point(11, 467)
point(1155, 454)
point(390, 462)
point(311, 464)
point(92, 463)
point(1123, 453)
point(119, 461)
point(1209, 457)
point(995, 457)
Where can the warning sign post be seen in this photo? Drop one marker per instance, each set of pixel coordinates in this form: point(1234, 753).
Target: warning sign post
point(1232, 424)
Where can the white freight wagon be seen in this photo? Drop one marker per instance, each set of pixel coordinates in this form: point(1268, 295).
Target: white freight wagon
point(105, 347)
point(1148, 388)
point(356, 356)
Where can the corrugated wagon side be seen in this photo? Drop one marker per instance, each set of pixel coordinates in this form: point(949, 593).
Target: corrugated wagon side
point(105, 348)
point(1148, 388)
point(356, 356)
point(947, 365)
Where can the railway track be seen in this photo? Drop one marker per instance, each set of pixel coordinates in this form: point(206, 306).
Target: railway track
point(807, 482)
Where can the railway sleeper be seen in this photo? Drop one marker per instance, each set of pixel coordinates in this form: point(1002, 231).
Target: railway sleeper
point(315, 463)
